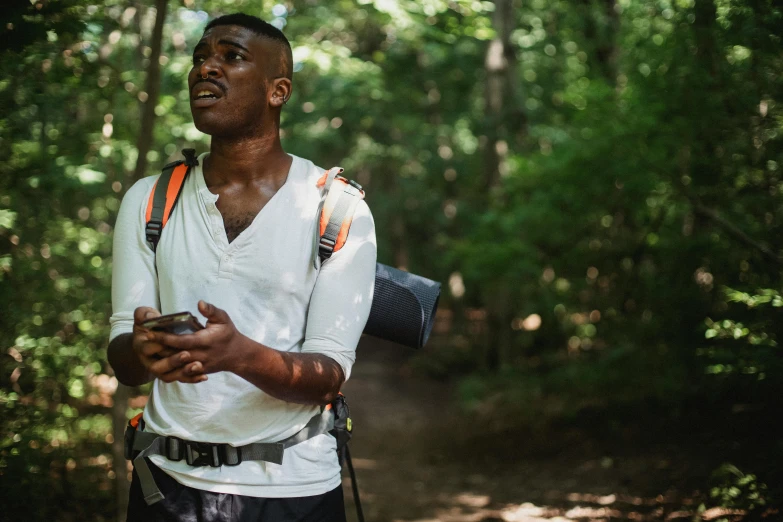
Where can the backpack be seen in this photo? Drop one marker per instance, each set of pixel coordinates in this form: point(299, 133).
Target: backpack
point(404, 304)
point(335, 214)
point(335, 210)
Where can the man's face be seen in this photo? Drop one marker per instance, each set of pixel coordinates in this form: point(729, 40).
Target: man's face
point(233, 99)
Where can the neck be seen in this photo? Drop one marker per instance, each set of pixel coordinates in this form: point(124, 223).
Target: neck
point(246, 159)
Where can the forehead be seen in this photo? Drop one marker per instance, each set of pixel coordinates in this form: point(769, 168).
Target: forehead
point(235, 34)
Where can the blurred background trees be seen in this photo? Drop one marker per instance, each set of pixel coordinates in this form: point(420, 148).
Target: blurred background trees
point(596, 182)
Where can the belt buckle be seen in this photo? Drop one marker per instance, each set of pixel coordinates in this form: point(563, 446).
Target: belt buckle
point(202, 454)
point(174, 448)
point(229, 455)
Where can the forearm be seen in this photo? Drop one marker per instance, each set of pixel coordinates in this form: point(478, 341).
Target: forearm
point(126, 364)
point(304, 378)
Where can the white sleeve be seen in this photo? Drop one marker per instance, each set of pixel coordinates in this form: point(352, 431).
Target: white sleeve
point(134, 281)
point(342, 297)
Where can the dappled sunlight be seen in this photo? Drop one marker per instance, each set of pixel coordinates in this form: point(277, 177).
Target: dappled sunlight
point(473, 501)
point(473, 507)
point(429, 463)
point(597, 185)
point(368, 464)
point(283, 335)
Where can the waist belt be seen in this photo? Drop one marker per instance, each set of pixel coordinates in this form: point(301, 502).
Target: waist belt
point(148, 443)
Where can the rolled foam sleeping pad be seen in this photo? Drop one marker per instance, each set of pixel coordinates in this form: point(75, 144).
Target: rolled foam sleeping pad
point(403, 307)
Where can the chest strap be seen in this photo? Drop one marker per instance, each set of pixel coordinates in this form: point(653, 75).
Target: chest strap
point(147, 443)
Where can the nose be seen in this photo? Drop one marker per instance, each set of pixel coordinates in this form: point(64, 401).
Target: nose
point(209, 68)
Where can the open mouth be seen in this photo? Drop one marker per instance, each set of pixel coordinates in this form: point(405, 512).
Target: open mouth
point(205, 95)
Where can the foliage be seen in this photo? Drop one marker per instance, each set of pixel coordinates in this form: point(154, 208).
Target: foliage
point(612, 235)
point(735, 489)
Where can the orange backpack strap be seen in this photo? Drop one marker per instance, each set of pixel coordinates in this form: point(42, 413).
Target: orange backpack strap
point(335, 213)
point(135, 420)
point(164, 196)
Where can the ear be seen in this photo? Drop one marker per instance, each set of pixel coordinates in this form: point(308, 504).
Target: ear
point(280, 92)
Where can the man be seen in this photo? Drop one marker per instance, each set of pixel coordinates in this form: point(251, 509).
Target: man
point(237, 251)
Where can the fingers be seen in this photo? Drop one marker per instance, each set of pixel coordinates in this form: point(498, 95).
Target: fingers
point(144, 313)
point(160, 367)
point(166, 352)
point(148, 348)
point(189, 373)
point(213, 313)
point(178, 367)
point(141, 336)
point(145, 347)
point(161, 352)
point(180, 342)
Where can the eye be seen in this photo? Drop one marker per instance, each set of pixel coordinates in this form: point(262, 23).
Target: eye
point(231, 55)
point(198, 58)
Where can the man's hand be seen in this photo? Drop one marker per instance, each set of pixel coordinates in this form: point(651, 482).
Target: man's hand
point(303, 378)
point(213, 349)
point(161, 361)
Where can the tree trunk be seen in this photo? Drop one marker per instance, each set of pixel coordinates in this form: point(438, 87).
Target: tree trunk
point(498, 324)
point(601, 30)
point(143, 145)
point(400, 243)
point(607, 51)
point(501, 89)
point(152, 88)
point(502, 109)
point(119, 420)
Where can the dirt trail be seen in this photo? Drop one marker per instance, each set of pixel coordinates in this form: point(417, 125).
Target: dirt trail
point(419, 460)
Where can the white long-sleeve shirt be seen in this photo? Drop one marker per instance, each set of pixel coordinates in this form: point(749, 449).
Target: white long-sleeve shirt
point(266, 282)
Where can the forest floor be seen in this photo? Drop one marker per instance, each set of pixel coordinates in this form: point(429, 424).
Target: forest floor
point(420, 458)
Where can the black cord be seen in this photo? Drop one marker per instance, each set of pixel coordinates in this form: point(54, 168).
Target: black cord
point(354, 485)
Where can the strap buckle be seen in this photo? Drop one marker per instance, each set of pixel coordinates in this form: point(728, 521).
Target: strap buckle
point(190, 157)
point(202, 454)
point(174, 448)
point(325, 247)
point(153, 230)
point(229, 455)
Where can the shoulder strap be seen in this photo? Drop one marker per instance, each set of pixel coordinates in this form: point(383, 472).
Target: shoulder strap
point(165, 194)
point(335, 213)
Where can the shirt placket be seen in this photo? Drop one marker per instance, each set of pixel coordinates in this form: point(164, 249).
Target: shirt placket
point(226, 263)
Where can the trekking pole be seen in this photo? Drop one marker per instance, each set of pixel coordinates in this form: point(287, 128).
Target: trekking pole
point(354, 485)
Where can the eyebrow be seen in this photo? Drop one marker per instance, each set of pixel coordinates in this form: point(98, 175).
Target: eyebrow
point(234, 44)
point(222, 42)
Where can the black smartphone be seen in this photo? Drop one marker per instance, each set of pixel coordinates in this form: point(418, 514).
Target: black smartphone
point(179, 323)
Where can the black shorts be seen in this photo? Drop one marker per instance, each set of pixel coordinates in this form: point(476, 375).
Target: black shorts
point(182, 503)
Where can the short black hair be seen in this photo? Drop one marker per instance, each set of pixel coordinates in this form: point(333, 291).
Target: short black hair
point(261, 28)
point(255, 24)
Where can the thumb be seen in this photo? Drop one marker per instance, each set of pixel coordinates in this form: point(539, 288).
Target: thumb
point(213, 313)
point(143, 313)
